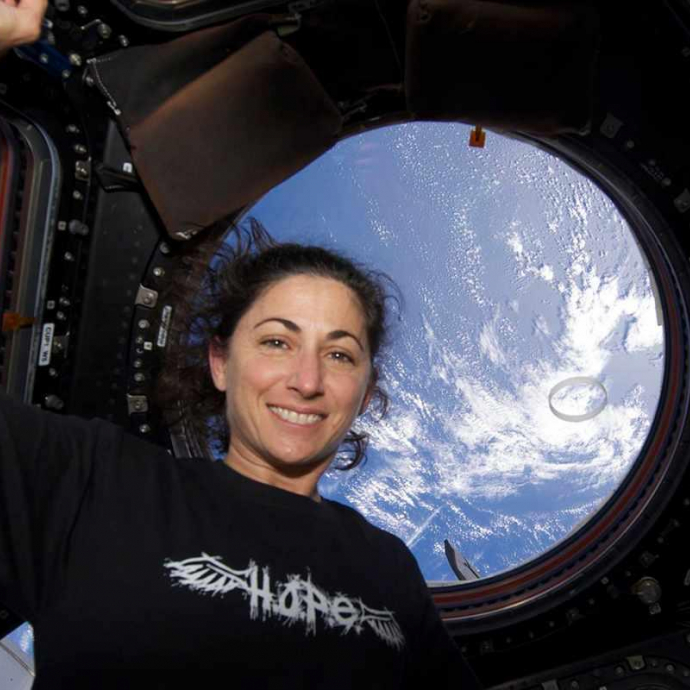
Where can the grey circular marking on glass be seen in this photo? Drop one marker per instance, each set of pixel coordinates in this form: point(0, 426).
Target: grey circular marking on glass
point(577, 381)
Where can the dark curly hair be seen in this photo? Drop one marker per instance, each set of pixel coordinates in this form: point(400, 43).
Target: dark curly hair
point(214, 285)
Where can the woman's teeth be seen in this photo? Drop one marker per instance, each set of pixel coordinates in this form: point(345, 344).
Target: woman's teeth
point(295, 417)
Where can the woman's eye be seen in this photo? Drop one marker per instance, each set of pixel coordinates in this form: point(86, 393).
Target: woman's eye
point(342, 357)
point(275, 343)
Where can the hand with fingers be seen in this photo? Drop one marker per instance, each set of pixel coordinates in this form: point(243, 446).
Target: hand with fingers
point(20, 22)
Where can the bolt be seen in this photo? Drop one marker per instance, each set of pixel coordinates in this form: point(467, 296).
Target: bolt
point(52, 372)
point(104, 31)
point(144, 323)
point(670, 668)
point(60, 316)
point(66, 74)
point(139, 340)
point(76, 194)
point(648, 590)
point(76, 227)
point(69, 256)
point(88, 79)
point(138, 406)
point(139, 377)
point(630, 144)
point(80, 149)
point(52, 402)
point(81, 170)
point(138, 363)
point(620, 670)
point(144, 429)
point(158, 272)
point(148, 300)
point(62, 5)
point(74, 59)
point(72, 129)
point(165, 248)
point(82, 11)
point(44, 58)
point(64, 302)
point(124, 41)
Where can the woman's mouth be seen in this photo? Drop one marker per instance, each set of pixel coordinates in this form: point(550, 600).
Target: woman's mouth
point(295, 417)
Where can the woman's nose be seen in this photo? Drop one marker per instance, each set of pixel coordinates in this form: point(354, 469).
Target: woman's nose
point(307, 377)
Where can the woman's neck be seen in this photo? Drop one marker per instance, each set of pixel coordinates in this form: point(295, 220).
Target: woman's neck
point(297, 480)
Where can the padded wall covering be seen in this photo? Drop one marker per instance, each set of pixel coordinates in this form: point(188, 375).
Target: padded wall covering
point(217, 118)
point(517, 65)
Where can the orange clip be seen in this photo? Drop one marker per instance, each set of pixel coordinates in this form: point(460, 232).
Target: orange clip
point(477, 137)
point(11, 321)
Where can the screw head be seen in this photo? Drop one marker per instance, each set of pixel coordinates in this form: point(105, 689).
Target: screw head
point(139, 377)
point(104, 31)
point(144, 429)
point(43, 58)
point(143, 323)
point(158, 272)
point(89, 80)
point(66, 74)
point(82, 11)
point(124, 41)
point(74, 59)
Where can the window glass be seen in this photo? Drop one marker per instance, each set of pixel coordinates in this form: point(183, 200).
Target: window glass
point(17, 662)
point(526, 369)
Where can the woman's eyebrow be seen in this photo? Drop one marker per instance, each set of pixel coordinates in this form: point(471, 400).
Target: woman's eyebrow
point(292, 326)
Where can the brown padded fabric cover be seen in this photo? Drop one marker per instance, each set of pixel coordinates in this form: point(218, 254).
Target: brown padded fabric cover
point(508, 65)
point(217, 118)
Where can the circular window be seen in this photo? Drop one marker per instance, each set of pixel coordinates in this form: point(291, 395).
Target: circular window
point(526, 369)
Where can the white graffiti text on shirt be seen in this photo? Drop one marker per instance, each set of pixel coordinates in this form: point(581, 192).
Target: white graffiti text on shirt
point(297, 599)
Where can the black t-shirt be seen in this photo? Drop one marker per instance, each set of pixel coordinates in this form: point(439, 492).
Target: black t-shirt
point(139, 569)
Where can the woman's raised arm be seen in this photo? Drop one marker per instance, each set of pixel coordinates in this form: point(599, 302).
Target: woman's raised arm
point(46, 466)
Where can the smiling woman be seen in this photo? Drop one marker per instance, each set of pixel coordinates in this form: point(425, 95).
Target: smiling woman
point(274, 350)
point(296, 374)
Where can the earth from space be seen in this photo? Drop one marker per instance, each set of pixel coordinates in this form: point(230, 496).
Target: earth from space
point(526, 360)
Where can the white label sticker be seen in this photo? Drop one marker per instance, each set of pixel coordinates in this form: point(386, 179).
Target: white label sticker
point(46, 344)
point(165, 325)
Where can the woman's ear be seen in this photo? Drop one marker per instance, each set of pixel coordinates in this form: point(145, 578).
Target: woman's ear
point(217, 362)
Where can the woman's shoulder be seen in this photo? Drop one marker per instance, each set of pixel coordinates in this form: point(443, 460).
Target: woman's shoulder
point(356, 521)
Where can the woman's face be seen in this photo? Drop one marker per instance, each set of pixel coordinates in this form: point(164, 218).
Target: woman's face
point(296, 374)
